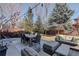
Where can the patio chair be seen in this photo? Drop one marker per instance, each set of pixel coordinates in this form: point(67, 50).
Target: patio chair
point(37, 38)
point(24, 38)
point(3, 50)
point(36, 46)
point(36, 42)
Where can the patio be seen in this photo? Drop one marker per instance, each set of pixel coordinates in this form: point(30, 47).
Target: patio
point(15, 46)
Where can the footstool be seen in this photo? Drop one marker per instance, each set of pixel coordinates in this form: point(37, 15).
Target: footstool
point(50, 47)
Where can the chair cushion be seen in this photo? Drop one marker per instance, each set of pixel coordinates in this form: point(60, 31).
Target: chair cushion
point(67, 42)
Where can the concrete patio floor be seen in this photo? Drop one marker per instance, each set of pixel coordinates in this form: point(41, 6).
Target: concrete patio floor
point(14, 49)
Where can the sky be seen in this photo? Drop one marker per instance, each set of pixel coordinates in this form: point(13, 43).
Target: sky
point(9, 9)
point(73, 6)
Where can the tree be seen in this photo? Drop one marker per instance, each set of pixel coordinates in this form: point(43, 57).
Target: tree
point(29, 21)
point(61, 17)
point(27, 25)
point(38, 25)
point(9, 13)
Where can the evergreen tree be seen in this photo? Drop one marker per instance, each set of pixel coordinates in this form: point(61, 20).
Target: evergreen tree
point(38, 25)
point(61, 17)
point(29, 21)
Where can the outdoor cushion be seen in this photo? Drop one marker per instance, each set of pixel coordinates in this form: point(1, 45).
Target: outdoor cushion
point(67, 42)
point(60, 37)
point(50, 47)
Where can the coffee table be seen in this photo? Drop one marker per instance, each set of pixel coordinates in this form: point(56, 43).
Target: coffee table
point(63, 50)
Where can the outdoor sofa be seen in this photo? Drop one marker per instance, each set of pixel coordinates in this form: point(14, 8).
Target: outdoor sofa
point(64, 41)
